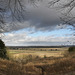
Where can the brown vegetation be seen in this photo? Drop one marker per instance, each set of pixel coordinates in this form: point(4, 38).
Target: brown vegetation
point(40, 66)
point(10, 68)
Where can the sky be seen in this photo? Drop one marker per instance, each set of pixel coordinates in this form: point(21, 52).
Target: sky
point(41, 27)
point(26, 37)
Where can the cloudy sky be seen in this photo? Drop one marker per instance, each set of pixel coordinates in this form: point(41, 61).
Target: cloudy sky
point(41, 27)
point(46, 38)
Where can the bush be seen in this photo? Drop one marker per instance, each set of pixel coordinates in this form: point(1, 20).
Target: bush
point(3, 51)
point(45, 56)
point(71, 49)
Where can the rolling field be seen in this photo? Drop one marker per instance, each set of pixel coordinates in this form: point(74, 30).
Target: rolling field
point(38, 61)
point(41, 52)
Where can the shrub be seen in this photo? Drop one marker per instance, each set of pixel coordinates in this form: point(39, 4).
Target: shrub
point(45, 56)
point(3, 52)
point(71, 49)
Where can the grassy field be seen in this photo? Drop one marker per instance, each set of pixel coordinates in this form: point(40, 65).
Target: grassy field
point(41, 52)
point(38, 61)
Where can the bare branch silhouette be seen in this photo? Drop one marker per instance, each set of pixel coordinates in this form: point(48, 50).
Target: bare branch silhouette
point(68, 6)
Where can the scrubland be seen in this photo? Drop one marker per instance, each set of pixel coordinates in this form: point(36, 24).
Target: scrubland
point(21, 63)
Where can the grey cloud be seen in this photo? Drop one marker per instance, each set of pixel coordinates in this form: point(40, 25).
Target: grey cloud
point(40, 18)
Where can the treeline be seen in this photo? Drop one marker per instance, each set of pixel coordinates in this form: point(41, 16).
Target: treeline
point(23, 47)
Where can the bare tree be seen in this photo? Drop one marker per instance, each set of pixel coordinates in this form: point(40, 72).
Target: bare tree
point(68, 16)
point(68, 8)
point(13, 10)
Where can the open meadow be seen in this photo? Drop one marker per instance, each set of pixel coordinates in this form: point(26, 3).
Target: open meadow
point(41, 52)
point(38, 61)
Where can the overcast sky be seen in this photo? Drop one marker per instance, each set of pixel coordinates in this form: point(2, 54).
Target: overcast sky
point(42, 27)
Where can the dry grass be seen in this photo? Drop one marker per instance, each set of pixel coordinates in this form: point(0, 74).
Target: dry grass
point(11, 68)
point(27, 65)
point(51, 66)
point(41, 52)
point(61, 67)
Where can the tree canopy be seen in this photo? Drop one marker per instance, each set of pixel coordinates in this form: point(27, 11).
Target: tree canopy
point(3, 52)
